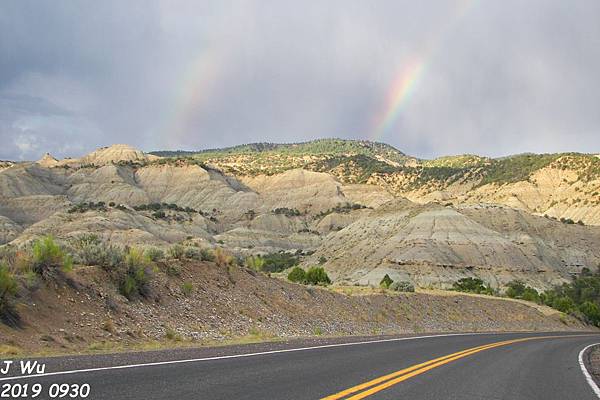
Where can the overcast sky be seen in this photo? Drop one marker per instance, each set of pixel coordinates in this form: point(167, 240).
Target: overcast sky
point(494, 77)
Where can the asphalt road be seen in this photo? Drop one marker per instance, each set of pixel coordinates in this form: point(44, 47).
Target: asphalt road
point(541, 367)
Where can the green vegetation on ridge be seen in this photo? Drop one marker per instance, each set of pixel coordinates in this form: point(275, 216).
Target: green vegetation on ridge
point(314, 147)
point(516, 168)
point(355, 161)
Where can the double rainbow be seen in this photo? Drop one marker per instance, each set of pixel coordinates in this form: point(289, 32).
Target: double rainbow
point(205, 68)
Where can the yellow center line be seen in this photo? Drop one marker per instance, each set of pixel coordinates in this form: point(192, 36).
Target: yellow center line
point(384, 378)
point(384, 382)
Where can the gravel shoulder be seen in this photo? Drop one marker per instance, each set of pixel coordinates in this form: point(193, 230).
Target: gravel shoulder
point(592, 363)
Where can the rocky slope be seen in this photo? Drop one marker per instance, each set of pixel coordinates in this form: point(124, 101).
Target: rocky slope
point(365, 208)
point(87, 314)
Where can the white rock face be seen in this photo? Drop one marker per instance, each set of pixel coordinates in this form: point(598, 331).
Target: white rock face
point(303, 190)
point(115, 153)
point(26, 210)
point(435, 246)
point(30, 180)
point(192, 186)
point(107, 183)
point(48, 161)
point(368, 195)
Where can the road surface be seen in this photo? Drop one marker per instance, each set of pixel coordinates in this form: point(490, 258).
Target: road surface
point(495, 366)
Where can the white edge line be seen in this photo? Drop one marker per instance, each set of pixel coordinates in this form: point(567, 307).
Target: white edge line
point(76, 371)
point(586, 373)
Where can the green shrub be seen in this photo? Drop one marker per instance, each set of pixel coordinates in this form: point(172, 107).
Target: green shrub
point(193, 253)
point(518, 290)
point(158, 214)
point(581, 297)
point(47, 256)
point(90, 250)
point(176, 251)
point(158, 207)
point(8, 290)
point(317, 276)
point(530, 294)
point(515, 289)
point(128, 287)
point(207, 255)
point(83, 207)
point(341, 209)
point(255, 263)
point(564, 304)
point(289, 212)
point(172, 269)
point(402, 286)
point(136, 279)
point(32, 280)
point(591, 311)
point(472, 285)
point(278, 262)
point(136, 258)
point(187, 288)
point(154, 253)
point(386, 282)
point(297, 275)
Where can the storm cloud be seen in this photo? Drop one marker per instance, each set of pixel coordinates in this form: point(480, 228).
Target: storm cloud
point(494, 78)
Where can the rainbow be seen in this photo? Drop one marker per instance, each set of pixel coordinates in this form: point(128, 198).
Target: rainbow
point(410, 74)
point(403, 87)
point(193, 93)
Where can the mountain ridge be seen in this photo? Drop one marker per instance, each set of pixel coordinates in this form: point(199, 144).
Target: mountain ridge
point(431, 222)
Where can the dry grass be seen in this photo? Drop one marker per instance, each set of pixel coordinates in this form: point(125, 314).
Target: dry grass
point(365, 291)
point(545, 310)
point(222, 257)
point(7, 350)
point(108, 347)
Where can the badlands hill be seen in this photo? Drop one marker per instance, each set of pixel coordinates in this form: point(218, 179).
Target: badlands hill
point(360, 209)
point(565, 185)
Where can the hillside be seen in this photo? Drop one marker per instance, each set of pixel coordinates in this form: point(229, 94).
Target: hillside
point(270, 158)
point(353, 203)
point(196, 303)
point(563, 186)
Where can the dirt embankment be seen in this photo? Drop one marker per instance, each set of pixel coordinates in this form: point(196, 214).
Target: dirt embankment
point(196, 303)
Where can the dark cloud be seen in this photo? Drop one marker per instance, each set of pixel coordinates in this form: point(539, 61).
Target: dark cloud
point(499, 77)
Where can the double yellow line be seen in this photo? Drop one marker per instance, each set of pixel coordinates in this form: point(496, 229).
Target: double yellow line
point(384, 382)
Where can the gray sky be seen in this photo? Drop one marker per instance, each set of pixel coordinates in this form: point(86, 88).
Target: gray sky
point(475, 76)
